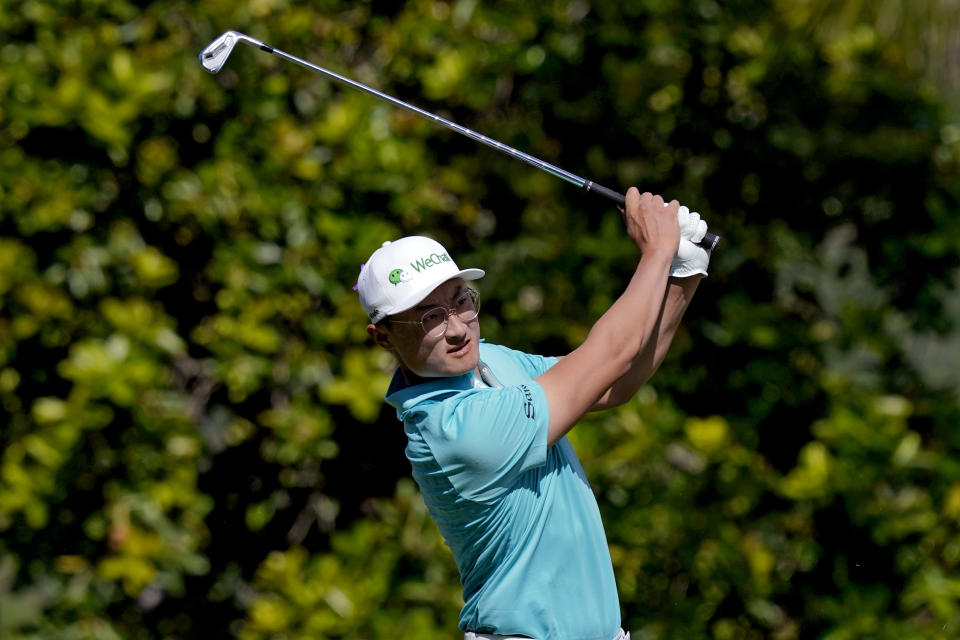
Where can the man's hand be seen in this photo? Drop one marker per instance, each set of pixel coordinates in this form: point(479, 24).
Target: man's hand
point(651, 223)
point(691, 259)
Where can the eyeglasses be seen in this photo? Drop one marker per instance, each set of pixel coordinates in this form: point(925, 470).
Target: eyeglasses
point(434, 321)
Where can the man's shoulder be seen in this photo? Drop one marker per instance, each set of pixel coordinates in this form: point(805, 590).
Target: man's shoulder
point(499, 357)
point(489, 349)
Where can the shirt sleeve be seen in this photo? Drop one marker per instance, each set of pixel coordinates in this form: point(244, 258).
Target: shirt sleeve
point(533, 365)
point(538, 365)
point(486, 439)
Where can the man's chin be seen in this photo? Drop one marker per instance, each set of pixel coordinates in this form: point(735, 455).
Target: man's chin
point(462, 361)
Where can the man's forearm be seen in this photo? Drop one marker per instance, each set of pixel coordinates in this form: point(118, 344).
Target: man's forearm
point(574, 385)
point(677, 298)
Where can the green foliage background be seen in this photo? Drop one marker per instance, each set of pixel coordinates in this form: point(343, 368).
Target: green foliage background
point(193, 440)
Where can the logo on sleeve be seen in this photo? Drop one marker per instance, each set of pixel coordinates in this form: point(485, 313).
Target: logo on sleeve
point(528, 407)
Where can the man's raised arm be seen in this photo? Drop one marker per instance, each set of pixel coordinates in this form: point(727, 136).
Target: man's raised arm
point(679, 294)
point(578, 381)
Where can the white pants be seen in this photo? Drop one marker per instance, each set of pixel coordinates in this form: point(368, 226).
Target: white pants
point(470, 635)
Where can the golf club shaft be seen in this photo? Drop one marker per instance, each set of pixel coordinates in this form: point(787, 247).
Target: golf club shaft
point(214, 52)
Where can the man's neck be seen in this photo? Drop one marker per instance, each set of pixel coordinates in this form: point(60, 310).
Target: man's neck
point(411, 379)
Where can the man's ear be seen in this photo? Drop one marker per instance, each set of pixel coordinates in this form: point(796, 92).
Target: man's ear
point(381, 336)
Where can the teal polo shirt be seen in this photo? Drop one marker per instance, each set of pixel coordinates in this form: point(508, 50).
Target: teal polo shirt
point(519, 517)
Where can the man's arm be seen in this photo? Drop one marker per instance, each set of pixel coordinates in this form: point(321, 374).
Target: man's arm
point(679, 294)
point(577, 382)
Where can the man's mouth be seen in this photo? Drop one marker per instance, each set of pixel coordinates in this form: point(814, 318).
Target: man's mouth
point(460, 349)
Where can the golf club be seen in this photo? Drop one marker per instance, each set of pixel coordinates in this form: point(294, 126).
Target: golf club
point(213, 57)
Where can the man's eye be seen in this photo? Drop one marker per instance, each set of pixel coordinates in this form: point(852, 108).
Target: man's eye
point(432, 316)
point(464, 302)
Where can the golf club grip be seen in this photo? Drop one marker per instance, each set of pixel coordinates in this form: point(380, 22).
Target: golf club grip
point(709, 242)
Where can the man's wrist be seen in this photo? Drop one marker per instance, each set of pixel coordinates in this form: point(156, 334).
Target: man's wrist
point(661, 255)
point(686, 280)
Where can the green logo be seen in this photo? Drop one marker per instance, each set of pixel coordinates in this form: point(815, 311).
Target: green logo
point(420, 264)
point(397, 276)
point(431, 260)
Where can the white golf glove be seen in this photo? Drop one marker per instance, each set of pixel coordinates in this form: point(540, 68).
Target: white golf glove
point(690, 259)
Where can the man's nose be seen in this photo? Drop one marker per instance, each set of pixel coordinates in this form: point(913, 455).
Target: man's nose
point(456, 327)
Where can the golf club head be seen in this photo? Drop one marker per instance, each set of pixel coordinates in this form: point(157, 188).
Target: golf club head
point(215, 55)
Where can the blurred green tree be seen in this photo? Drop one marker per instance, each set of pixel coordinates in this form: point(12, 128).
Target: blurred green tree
point(192, 436)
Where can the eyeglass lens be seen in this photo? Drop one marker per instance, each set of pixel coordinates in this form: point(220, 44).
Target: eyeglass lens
point(466, 307)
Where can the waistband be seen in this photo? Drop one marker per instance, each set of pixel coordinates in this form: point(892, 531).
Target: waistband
point(470, 635)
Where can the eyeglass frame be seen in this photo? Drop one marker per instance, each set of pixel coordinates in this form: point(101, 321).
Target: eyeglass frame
point(447, 312)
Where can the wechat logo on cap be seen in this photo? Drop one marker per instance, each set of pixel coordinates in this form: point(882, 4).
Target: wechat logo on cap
point(397, 276)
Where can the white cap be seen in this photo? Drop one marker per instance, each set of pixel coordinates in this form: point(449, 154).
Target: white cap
point(400, 274)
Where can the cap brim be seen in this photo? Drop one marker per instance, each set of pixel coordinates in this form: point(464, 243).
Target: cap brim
point(470, 274)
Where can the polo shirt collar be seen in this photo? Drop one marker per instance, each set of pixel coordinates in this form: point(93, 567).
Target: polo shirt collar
point(402, 397)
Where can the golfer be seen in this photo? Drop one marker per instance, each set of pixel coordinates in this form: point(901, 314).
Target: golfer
point(486, 425)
